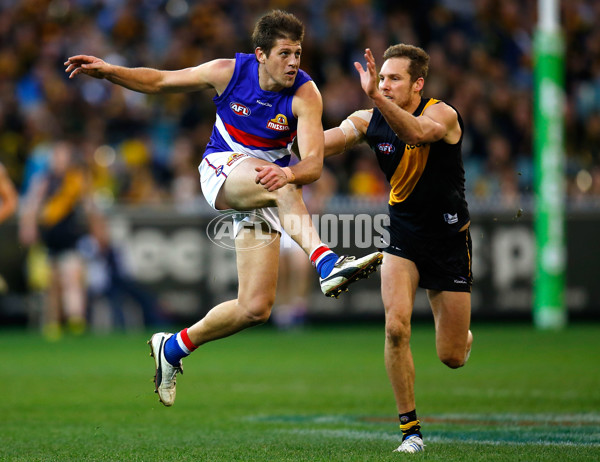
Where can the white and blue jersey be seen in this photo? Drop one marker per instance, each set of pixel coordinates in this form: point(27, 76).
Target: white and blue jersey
point(253, 121)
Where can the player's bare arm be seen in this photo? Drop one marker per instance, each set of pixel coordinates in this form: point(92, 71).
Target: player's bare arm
point(308, 108)
point(213, 74)
point(441, 114)
point(438, 122)
point(349, 133)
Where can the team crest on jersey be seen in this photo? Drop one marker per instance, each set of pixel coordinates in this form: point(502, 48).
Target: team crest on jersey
point(279, 123)
point(240, 109)
point(386, 148)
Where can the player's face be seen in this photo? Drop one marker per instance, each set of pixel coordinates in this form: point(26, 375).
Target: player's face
point(280, 68)
point(395, 82)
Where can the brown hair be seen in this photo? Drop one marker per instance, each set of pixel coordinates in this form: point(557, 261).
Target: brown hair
point(276, 25)
point(419, 59)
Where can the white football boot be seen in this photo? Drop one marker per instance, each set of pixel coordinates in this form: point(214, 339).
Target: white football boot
point(164, 376)
point(348, 270)
point(413, 443)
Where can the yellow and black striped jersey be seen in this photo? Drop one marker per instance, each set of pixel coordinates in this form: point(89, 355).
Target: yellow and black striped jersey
point(427, 180)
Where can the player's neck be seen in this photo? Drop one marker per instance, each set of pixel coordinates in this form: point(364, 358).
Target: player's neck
point(413, 104)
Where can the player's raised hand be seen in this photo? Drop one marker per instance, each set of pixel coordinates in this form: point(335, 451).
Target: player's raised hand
point(368, 77)
point(88, 65)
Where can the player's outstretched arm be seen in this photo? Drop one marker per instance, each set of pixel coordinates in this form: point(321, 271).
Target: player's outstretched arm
point(213, 74)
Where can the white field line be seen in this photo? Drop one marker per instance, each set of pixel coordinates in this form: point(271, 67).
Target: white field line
point(465, 419)
point(372, 436)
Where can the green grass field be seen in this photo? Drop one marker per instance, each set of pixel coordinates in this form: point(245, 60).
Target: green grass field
point(320, 394)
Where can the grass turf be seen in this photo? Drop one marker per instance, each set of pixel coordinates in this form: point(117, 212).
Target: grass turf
point(320, 394)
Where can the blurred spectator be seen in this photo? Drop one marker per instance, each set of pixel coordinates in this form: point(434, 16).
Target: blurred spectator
point(139, 183)
point(8, 195)
point(53, 215)
point(8, 205)
point(109, 279)
point(367, 180)
point(185, 186)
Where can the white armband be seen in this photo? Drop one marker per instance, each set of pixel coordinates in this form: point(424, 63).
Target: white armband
point(347, 124)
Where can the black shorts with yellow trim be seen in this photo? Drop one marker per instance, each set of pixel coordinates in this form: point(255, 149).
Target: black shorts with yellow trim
point(443, 263)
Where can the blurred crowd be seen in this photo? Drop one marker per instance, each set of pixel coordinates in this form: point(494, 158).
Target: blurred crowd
point(140, 149)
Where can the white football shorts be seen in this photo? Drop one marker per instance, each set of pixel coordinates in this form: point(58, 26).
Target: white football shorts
point(214, 170)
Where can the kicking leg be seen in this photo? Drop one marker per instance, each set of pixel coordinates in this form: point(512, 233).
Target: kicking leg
point(241, 192)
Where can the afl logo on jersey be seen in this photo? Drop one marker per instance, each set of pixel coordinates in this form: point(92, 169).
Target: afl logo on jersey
point(279, 123)
point(240, 109)
point(386, 148)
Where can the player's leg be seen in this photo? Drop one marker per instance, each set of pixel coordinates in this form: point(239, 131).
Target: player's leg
point(257, 267)
point(241, 192)
point(452, 315)
point(52, 312)
point(399, 281)
point(451, 302)
point(257, 273)
point(71, 272)
point(336, 273)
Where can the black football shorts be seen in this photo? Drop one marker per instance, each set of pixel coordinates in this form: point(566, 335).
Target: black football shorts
point(443, 263)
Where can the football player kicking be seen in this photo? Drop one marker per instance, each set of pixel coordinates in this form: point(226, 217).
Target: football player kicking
point(264, 103)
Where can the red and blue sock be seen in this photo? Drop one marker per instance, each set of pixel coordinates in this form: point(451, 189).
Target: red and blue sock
point(323, 258)
point(178, 346)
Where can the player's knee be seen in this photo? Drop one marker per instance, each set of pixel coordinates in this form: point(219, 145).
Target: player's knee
point(453, 361)
point(397, 331)
point(258, 310)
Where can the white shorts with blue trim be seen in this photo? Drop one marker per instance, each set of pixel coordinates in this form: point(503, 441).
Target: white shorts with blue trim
point(214, 170)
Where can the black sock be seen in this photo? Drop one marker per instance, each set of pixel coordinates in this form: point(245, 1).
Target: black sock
point(409, 424)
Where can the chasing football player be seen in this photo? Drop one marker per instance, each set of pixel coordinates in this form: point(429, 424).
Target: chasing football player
point(417, 142)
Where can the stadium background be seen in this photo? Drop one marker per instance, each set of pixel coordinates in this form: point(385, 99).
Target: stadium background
point(142, 151)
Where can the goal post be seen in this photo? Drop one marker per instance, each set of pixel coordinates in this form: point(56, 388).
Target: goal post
point(549, 307)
